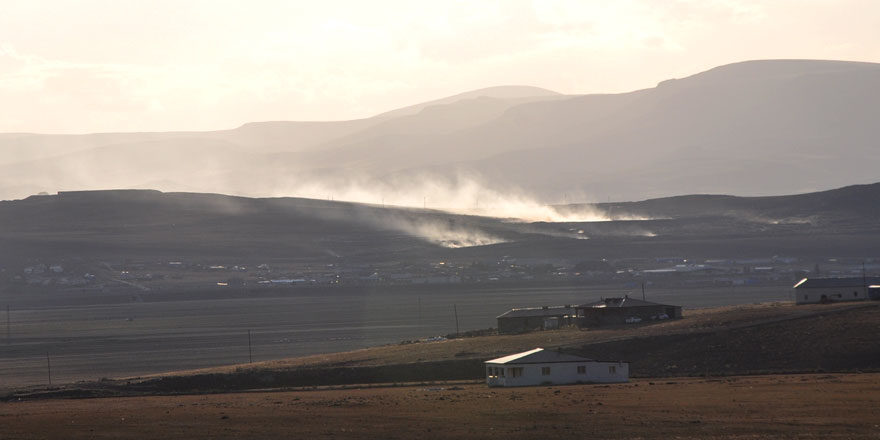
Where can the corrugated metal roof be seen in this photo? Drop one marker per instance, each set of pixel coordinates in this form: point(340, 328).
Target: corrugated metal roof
point(537, 356)
point(538, 312)
point(819, 283)
point(619, 302)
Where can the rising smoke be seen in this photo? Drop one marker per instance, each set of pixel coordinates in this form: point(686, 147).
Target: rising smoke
point(465, 196)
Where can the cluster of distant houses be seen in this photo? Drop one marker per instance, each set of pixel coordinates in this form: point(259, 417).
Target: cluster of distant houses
point(51, 274)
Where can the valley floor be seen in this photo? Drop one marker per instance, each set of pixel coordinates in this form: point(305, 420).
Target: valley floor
point(89, 338)
point(774, 406)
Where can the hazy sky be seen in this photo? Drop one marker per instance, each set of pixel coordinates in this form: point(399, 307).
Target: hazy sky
point(155, 65)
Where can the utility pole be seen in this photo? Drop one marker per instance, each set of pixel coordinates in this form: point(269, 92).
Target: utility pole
point(7, 324)
point(455, 309)
point(250, 352)
point(643, 291)
point(420, 315)
point(865, 280)
point(49, 367)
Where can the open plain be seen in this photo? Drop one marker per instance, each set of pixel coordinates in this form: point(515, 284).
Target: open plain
point(88, 338)
point(778, 406)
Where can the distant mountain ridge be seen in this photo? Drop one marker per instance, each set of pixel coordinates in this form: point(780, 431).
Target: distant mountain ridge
point(751, 128)
point(516, 93)
point(856, 201)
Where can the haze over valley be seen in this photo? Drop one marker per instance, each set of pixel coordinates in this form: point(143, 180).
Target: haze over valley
point(768, 127)
point(488, 219)
point(724, 187)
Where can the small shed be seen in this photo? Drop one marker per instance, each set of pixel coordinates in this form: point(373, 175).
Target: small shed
point(536, 318)
point(626, 310)
point(545, 367)
point(828, 290)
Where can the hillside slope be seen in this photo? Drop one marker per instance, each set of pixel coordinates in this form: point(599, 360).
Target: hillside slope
point(257, 158)
point(752, 128)
point(722, 342)
point(853, 203)
point(111, 225)
point(762, 127)
point(729, 341)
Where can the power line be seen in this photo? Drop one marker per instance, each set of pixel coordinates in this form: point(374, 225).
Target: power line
point(250, 351)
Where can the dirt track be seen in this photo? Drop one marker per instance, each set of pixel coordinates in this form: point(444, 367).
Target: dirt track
point(790, 406)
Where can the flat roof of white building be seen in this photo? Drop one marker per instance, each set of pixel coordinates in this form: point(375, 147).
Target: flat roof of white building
point(538, 356)
point(824, 283)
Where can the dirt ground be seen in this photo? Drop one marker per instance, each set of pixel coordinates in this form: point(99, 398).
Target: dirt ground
point(780, 406)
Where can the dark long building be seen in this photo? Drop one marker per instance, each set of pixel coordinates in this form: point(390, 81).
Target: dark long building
point(537, 318)
point(614, 311)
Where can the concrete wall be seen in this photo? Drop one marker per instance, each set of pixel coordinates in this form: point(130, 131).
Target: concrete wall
point(814, 295)
point(560, 373)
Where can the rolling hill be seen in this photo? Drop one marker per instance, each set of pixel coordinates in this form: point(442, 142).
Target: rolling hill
point(752, 128)
point(101, 225)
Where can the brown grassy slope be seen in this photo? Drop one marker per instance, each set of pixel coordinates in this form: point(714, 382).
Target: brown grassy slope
point(837, 339)
point(486, 347)
point(801, 406)
point(725, 341)
point(767, 338)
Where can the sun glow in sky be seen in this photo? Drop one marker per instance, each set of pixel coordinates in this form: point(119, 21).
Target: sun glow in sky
point(160, 65)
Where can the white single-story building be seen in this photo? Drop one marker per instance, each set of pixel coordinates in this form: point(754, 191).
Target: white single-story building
point(827, 290)
point(545, 367)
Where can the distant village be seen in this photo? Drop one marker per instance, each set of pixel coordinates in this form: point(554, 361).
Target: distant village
point(628, 274)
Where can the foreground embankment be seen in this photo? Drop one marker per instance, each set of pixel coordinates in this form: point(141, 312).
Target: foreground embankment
point(721, 342)
point(777, 338)
point(744, 340)
point(774, 406)
point(137, 334)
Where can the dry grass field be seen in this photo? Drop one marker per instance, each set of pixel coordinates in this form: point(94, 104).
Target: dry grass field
point(773, 338)
point(778, 406)
point(239, 402)
point(112, 336)
point(750, 325)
